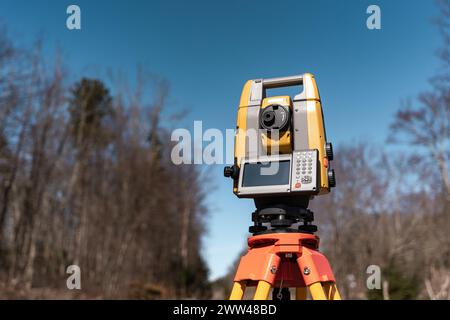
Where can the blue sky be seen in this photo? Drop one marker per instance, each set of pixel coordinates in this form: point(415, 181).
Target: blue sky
point(208, 49)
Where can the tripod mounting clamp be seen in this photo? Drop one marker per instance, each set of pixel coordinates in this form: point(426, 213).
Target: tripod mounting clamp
point(280, 218)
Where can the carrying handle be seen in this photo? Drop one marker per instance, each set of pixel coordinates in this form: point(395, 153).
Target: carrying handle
point(310, 91)
point(283, 81)
point(259, 86)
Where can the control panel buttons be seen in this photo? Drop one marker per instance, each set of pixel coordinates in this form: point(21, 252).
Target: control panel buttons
point(304, 170)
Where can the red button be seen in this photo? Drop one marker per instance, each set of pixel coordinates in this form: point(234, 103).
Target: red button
point(297, 185)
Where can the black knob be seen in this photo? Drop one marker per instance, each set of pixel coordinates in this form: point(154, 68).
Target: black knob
point(232, 171)
point(256, 229)
point(227, 171)
point(281, 223)
point(307, 228)
point(331, 178)
point(329, 150)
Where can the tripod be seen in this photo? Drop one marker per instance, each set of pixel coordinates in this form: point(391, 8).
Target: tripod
point(281, 257)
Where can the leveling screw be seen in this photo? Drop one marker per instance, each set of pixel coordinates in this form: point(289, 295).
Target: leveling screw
point(306, 271)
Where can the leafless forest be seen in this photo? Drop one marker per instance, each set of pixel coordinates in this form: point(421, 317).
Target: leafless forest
point(86, 178)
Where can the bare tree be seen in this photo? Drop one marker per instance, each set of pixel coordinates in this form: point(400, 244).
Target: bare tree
point(86, 178)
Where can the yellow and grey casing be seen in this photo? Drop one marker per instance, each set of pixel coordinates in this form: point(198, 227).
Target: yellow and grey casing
point(307, 124)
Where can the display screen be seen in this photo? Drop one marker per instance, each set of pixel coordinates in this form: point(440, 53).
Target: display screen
point(266, 174)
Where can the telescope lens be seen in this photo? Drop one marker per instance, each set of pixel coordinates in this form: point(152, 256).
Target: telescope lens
point(269, 118)
point(274, 117)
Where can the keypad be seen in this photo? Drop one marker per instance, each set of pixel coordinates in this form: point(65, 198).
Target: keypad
point(304, 170)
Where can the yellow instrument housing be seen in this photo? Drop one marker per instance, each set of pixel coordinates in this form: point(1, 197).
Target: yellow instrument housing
point(307, 130)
